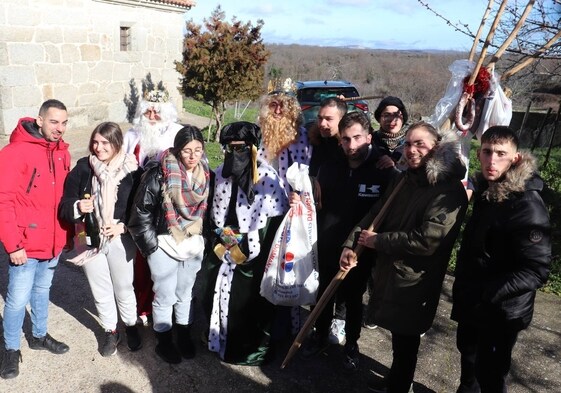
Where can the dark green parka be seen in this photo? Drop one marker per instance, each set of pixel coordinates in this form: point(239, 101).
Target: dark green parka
point(415, 241)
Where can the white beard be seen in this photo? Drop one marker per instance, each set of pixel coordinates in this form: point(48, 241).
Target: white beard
point(150, 137)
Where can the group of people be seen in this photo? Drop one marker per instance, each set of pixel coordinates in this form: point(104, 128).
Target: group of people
point(166, 220)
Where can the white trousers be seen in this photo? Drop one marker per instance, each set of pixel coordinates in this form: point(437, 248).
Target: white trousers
point(173, 288)
point(110, 276)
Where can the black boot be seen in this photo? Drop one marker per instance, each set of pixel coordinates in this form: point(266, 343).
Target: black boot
point(166, 348)
point(184, 342)
point(134, 342)
point(10, 364)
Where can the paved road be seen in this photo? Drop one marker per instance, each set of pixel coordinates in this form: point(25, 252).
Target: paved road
point(536, 366)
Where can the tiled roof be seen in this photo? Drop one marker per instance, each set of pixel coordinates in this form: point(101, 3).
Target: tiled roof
point(178, 3)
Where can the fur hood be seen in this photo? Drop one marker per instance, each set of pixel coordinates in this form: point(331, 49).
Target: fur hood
point(444, 162)
point(518, 178)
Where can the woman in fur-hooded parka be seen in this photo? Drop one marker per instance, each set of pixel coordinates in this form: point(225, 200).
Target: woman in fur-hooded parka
point(415, 240)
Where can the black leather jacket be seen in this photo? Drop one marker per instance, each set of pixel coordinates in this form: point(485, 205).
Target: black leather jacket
point(147, 220)
point(504, 258)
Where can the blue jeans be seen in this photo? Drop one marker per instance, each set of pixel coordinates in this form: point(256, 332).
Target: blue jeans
point(27, 283)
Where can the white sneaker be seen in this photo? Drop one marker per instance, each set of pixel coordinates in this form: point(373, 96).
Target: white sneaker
point(337, 331)
point(369, 326)
point(143, 320)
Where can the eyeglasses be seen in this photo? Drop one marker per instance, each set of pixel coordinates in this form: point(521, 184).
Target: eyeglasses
point(391, 116)
point(189, 152)
point(236, 148)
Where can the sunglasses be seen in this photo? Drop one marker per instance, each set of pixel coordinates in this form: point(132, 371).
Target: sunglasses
point(391, 116)
point(236, 148)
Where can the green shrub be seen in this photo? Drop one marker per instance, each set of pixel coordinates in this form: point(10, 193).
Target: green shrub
point(551, 174)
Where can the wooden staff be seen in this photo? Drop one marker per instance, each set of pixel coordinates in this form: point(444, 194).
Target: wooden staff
point(347, 99)
point(530, 59)
point(487, 42)
point(339, 277)
point(480, 30)
point(512, 35)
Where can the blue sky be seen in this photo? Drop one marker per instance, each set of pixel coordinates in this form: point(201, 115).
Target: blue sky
point(379, 24)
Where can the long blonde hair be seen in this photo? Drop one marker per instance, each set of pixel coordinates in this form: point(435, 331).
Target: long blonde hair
point(279, 133)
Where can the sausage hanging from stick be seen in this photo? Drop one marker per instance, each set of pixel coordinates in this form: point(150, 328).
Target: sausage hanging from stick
point(466, 103)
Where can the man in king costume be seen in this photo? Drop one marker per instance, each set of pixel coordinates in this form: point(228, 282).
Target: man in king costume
point(247, 207)
point(155, 127)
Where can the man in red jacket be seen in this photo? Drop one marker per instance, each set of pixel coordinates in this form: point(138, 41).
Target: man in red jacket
point(30, 232)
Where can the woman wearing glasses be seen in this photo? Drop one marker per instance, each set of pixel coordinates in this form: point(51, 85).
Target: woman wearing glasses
point(166, 224)
point(392, 116)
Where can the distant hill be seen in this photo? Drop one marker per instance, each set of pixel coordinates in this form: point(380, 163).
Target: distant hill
point(419, 78)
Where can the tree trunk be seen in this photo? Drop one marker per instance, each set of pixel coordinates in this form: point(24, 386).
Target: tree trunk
point(218, 109)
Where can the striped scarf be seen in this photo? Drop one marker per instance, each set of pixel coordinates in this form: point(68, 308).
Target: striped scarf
point(184, 199)
point(392, 140)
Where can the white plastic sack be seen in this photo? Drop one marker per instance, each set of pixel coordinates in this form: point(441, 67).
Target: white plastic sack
point(291, 274)
point(447, 104)
point(497, 110)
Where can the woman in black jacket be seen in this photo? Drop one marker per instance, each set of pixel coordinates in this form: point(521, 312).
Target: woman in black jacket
point(166, 224)
point(108, 175)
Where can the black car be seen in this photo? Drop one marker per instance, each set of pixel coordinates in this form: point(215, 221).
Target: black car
point(311, 93)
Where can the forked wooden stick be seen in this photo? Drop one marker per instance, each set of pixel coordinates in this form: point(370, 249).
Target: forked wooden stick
point(480, 30)
point(531, 59)
point(487, 42)
point(512, 35)
point(339, 277)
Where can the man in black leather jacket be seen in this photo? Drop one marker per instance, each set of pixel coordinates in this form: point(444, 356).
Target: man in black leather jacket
point(504, 258)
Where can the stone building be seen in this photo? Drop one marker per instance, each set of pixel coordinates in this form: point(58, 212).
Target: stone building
point(84, 53)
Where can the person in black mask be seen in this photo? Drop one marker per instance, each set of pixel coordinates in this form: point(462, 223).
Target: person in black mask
point(248, 205)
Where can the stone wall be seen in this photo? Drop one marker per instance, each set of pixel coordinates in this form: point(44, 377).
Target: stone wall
point(70, 50)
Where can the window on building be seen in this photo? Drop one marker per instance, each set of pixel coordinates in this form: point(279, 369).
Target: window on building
point(125, 39)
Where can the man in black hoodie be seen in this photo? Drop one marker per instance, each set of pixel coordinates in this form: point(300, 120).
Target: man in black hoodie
point(504, 258)
point(348, 190)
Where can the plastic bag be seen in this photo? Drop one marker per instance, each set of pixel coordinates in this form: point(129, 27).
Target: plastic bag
point(291, 274)
point(447, 104)
point(497, 110)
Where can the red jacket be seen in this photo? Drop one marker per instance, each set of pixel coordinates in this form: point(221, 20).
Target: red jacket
point(32, 174)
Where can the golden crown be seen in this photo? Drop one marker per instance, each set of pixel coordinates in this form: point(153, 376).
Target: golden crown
point(156, 95)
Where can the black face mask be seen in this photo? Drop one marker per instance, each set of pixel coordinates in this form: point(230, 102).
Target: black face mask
point(237, 165)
